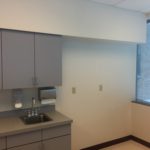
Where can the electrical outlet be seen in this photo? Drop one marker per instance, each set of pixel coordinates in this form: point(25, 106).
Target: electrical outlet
point(100, 87)
point(73, 90)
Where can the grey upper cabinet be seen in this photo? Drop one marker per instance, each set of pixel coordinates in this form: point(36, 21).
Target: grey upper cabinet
point(18, 59)
point(0, 61)
point(48, 59)
point(30, 59)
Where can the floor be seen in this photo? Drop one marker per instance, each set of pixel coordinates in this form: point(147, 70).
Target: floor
point(129, 145)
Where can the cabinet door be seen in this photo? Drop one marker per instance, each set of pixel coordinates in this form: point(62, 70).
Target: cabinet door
point(23, 138)
point(56, 131)
point(33, 146)
point(59, 143)
point(2, 143)
point(48, 59)
point(0, 61)
point(18, 59)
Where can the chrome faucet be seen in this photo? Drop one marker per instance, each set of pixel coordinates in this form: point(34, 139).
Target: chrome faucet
point(33, 102)
point(32, 112)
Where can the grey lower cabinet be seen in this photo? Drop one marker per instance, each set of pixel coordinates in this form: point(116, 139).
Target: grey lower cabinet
point(23, 138)
point(57, 138)
point(53, 138)
point(2, 143)
point(59, 143)
point(33, 146)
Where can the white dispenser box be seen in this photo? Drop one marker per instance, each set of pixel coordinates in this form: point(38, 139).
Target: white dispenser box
point(47, 95)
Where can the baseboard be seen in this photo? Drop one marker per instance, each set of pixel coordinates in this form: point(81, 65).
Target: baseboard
point(109, 143)
point(117, 141)
point(138, 140)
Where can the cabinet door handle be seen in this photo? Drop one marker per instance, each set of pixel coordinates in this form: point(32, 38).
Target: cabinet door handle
point(34, 81)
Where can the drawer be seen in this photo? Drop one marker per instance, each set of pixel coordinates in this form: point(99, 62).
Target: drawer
point(2, 143)
point(23, 138)
point(33, 146)
point(56, 131)
point(59, 143)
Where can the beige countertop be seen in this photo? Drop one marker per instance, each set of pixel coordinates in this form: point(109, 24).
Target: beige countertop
point(14, 125)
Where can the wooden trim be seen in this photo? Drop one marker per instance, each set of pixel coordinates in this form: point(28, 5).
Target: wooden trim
point(138, 140)
point(142, 103)
point(109, 143)
point(117, 141)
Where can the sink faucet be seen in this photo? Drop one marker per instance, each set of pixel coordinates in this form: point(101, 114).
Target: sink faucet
point(32, 111)
point(33, 102)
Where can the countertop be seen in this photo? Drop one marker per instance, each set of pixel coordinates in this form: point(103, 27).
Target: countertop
point(14, 125)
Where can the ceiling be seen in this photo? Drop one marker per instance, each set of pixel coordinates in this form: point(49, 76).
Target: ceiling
point(136, 5)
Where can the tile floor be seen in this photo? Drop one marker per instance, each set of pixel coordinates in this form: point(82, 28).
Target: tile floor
point(129, 145)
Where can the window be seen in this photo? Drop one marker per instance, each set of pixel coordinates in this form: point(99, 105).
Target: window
point(143, 70)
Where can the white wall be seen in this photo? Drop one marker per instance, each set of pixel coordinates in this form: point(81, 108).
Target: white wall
point(98, 116)
point(80, 18)
point(141, 121)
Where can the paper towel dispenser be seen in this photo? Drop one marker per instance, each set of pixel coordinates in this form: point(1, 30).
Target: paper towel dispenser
point(46, 93)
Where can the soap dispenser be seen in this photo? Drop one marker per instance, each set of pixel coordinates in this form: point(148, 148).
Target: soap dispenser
point(17, 96)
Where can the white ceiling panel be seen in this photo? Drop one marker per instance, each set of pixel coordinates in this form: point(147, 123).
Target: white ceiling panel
point(138, 5)
point(109, 2)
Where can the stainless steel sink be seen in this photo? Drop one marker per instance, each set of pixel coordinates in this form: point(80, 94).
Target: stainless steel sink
point(35, 119)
